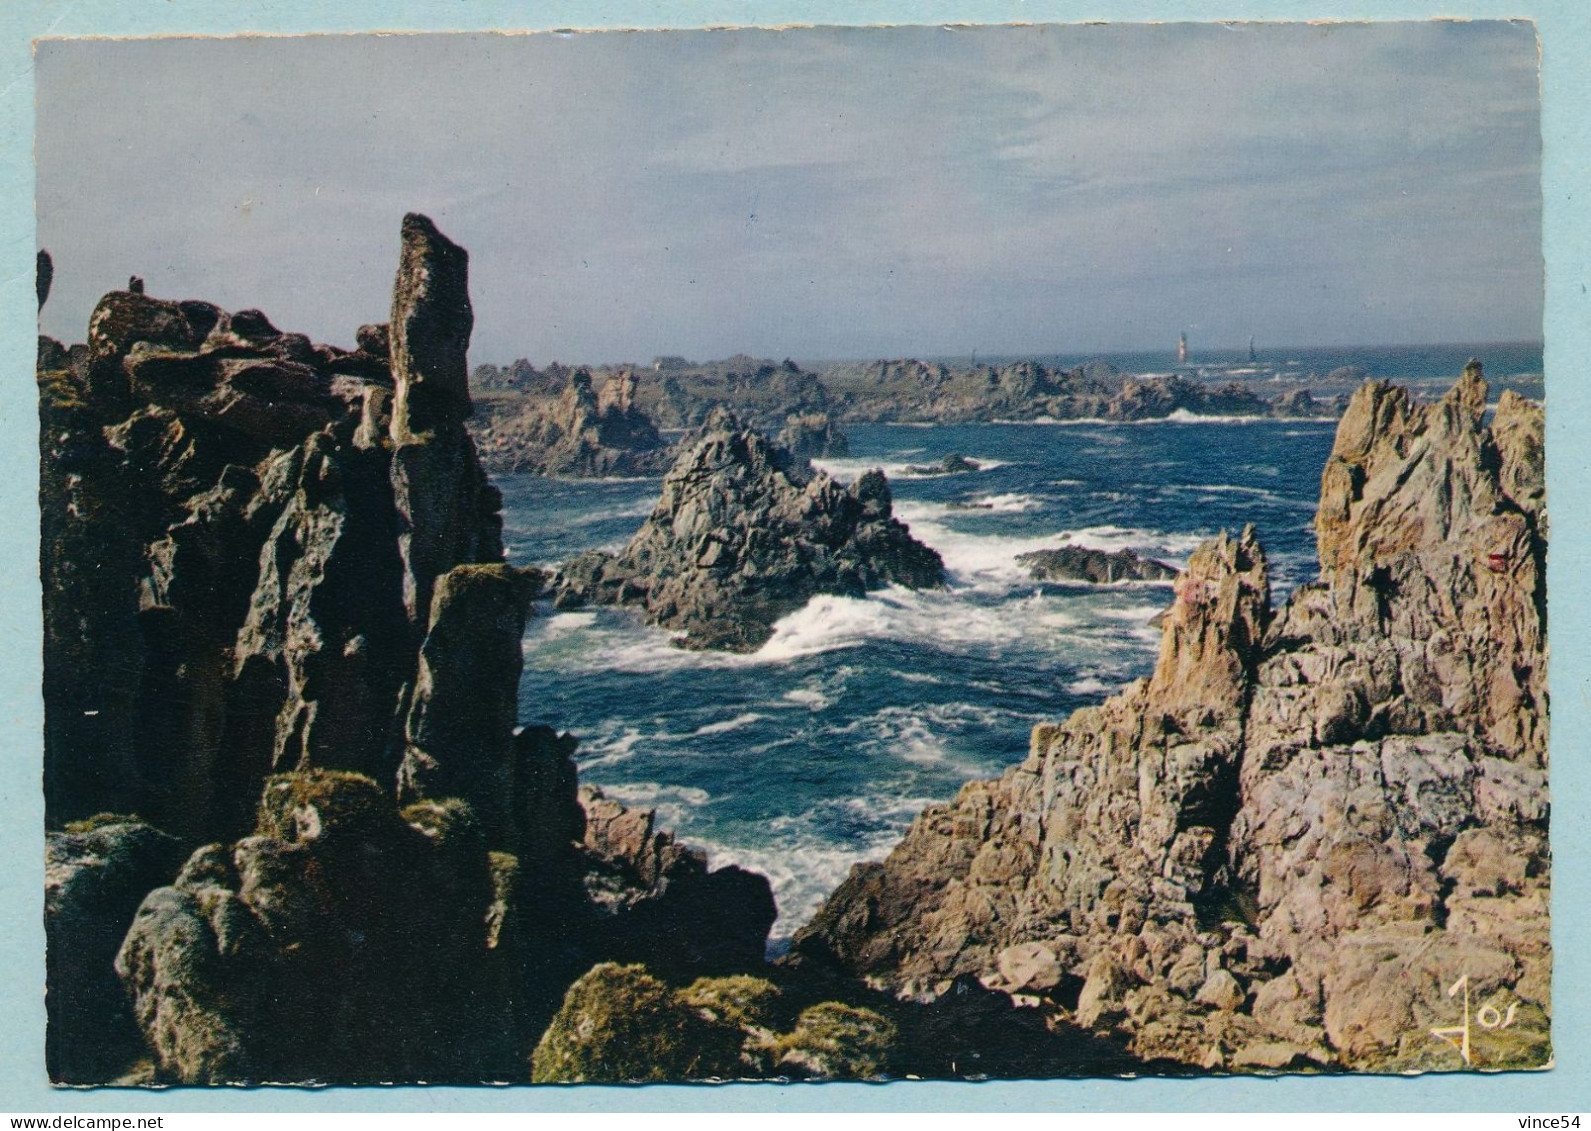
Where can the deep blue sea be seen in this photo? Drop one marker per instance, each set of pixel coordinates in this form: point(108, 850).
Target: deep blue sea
point(816, 752)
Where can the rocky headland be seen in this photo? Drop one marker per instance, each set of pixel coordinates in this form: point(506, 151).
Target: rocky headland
point(743, 534)
point(1314, 834)
point(294, 830)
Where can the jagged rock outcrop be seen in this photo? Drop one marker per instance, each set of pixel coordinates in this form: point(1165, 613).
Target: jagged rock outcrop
point(657, 902)
point(252, 525)
point(279, 627)
point(762, 393)
point(577, 432)
point(1285, 847)
point(335, 944)
point(743, 535)
point(812, 435)
point(1102, 567)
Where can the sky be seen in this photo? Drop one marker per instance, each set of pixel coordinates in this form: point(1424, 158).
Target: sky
point(818, 193)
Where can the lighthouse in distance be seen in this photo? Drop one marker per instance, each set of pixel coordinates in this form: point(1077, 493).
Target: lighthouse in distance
point(1182, 348)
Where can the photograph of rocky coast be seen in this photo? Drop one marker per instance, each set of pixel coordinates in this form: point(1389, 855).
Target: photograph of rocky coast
point(796, 569)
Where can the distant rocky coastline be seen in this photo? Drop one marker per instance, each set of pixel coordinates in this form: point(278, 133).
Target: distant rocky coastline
point(576, 432)
point(745, 533)
point(552, 423)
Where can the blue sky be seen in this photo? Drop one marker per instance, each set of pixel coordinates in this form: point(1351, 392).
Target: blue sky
point(819, 193)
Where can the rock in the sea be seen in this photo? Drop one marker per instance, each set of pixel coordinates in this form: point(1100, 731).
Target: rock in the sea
point(743, 535)
point(1103, 567)
point(1284, 847)
point(953, 464)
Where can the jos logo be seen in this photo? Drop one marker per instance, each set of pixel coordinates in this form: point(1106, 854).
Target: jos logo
point(1487, 1017)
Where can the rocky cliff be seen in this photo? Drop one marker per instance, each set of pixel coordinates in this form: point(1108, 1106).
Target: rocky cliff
point(1314, 834)
point(281, 643)
point(744, 534)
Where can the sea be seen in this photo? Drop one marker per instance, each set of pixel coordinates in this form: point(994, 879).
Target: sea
point(815, 752)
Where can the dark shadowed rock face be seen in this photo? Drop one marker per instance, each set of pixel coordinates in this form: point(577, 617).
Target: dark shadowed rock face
point(1283, 848)
point(430, 331)
point(459, 733)
point(1104, 567)
point(744, 535)
point(278, 626)
point(95, 876)
point(335, 944)
point(239, 547)
point(340, 939)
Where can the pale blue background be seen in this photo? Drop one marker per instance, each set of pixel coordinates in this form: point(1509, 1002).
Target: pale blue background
point(1565, 30)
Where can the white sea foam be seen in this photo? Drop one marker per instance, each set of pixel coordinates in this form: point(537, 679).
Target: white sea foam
point(638, 509)
point(559, 624)
point(1263, 493)
point(1089, 685)
point(608, 749)
point(847, 470)
point(828, 623)
point(1011, 503)
point(742, 720)
point(988, 561)
point(675, 804)
point(650, 794)
point(800, 854)
point(810, 697)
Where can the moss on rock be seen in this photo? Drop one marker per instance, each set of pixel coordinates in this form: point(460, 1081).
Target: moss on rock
point(619, 1024)
point(323, 805)
point(835, 1040)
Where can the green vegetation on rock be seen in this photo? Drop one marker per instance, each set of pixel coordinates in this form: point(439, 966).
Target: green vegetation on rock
point(832, 1039)
point(619, 1024)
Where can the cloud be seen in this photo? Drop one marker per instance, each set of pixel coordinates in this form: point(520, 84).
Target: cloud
point(818, 192)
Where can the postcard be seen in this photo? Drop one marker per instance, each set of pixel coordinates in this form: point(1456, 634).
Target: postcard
point(794, 555)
